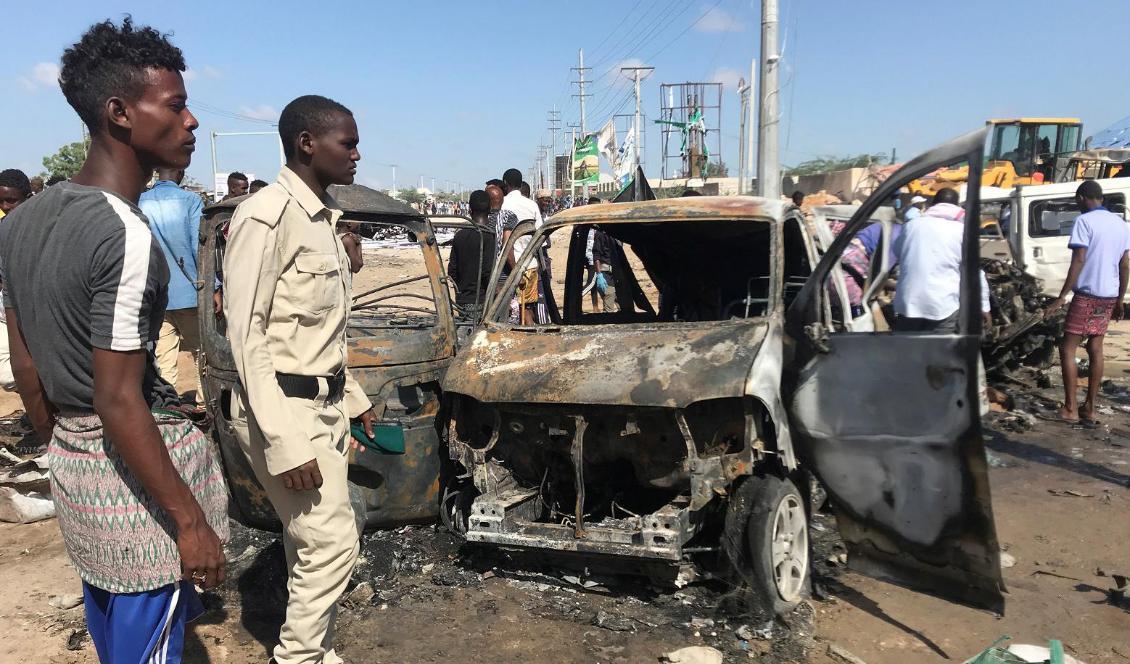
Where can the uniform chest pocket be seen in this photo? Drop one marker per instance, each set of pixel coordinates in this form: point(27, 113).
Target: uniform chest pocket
point(319, 285)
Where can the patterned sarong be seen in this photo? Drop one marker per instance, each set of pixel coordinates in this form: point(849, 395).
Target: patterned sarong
point(118, 538)
point(1089, 316)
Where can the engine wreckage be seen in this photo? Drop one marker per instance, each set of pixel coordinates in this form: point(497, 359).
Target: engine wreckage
point(1021, 345)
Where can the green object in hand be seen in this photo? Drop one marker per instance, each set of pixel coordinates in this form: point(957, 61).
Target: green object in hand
point(387, 438)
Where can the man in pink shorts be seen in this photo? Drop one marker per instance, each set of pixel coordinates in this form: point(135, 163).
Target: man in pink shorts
point(1097, 277)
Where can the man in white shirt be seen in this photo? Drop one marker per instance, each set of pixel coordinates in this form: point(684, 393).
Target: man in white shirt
point(1097, 277)
point(516, 208)
point(929, 251)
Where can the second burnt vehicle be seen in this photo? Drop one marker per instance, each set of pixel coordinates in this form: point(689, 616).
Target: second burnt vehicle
point(676, 435)
point(402, 334)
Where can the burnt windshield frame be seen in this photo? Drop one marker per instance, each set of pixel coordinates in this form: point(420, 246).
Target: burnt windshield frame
point(571, 311)
point(417, 234)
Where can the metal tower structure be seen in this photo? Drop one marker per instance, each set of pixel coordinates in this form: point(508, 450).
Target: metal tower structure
point(690, 120)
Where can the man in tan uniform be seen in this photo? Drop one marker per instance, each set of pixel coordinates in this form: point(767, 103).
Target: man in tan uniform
point(288, 285)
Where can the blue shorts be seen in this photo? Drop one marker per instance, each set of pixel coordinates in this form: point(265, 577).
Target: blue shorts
point(138, 628)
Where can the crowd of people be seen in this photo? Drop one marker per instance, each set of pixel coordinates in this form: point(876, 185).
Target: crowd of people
point(92, 349)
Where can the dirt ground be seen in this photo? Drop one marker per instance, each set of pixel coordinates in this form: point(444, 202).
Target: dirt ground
point(1061, 498)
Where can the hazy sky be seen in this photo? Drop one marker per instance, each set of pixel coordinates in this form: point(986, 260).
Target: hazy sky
point(460, 91)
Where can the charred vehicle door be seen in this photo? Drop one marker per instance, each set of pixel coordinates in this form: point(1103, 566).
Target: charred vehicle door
point(890, 421)
point(401, 338)
point(467, 315)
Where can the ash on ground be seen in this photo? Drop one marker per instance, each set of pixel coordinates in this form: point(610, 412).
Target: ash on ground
point(424, 564)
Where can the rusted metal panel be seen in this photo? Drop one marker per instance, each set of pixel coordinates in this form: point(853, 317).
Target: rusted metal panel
point(695, 208)
point(390, 346)
point(352, 198)
point(384, 357)
point(671, 365)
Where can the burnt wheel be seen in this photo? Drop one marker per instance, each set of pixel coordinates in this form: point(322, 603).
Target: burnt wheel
point(767, 542)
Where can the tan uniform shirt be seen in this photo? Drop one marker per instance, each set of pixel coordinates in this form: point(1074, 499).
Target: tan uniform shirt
point(287, 297)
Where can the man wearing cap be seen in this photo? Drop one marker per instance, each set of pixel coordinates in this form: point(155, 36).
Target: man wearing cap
point(917, 205)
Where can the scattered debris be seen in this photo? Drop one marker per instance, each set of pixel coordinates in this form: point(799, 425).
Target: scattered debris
point(1113, 389)
point(612, 622)
point(1070, 492)
point(64, 602)
point(16, 507)
point(77, 639)
point(763, 633)
point(1118, 592)
point(1044, 572)
point(842, 654)
point(1007, 560)
point(998, 400)
point(1039, 654)
point(702, 623)
point(1021, 337)
point(456, 577)
point(693, 655)
point(27, 476)
point(361, 595)
point(995, 461)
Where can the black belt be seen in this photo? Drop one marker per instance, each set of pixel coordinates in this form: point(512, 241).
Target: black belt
point(306, 387)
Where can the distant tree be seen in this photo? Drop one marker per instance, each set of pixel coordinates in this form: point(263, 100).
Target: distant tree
point(66, 161)
point(717, 170)
point(830, 163)
point(410, 196)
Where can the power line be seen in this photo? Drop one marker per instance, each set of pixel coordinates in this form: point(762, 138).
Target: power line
point(685, 30)
point(231, 115)
point(613, 31)
point(658, 19)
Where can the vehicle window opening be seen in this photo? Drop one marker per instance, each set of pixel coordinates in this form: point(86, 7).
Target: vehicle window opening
point(393, 287)
point(1056, 217)
point(797, 266)
point(672, 271)
point(466, 307)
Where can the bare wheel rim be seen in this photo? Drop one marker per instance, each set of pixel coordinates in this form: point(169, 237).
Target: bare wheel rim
point(789, 548)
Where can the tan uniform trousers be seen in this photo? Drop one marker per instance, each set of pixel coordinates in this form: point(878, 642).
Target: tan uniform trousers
point(179, 332)
point(320, 535)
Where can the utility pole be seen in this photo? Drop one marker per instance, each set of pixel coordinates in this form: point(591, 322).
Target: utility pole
point(581, 69)
point(748, 93)
point(393, 177)
point(572, 146)
point(543, 179)
point(636, 125)
point(554, 125)
point(768, 156)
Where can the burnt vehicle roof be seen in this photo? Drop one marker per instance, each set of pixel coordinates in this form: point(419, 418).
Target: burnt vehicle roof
point(352, 198)
point(692, 208)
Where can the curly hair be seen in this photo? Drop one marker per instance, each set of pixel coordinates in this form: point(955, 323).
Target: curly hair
point(15, 179)
point(312, 113)
point(110, 61)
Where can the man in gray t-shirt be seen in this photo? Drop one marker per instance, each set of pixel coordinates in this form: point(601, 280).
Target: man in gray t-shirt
point(107, 288)
point(139, 492)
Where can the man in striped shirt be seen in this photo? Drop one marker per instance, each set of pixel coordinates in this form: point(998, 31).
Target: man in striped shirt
point(138, 491)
